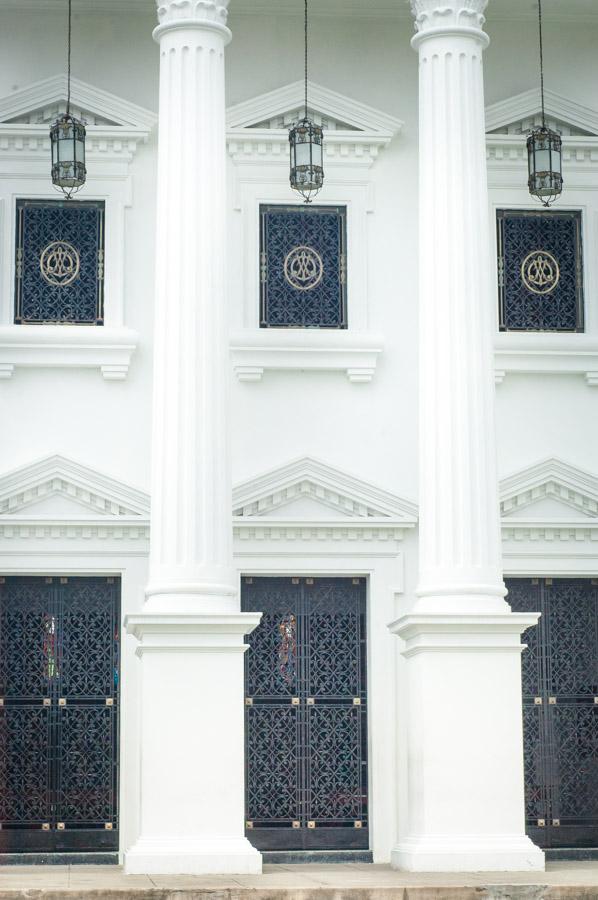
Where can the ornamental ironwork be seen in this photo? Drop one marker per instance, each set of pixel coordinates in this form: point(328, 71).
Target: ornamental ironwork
point(560, 709)
point(60, 263)
point(59, 272)
point(540, 270)
point(306, 714)
point(303, 267)
point(59, 688)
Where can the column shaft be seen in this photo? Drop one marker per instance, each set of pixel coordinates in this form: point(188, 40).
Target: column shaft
point(462, 643)
point(190, 631)
point(191, 539)
point(460, 549)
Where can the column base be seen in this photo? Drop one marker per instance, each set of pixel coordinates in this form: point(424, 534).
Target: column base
point(202, 856)
point(468, 853)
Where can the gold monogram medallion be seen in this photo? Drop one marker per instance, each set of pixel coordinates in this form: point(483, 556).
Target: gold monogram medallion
point(59, 263)
point(540, 272)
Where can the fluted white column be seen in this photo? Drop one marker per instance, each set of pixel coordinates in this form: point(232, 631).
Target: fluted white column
point(191, 542)
point(191, 630)
point(462, 643)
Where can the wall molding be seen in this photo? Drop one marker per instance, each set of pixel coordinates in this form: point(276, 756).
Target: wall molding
point(61, 346)
point(304, 508)
point(268, 350)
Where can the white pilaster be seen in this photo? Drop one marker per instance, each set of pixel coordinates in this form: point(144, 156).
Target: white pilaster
point(191, 630)
point(462, 643)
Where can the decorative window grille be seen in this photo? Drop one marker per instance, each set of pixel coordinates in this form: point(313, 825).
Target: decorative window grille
point(540, 270)
point(59, 269)
point(303, 266)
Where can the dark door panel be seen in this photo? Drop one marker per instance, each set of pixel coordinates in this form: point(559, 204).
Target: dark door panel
point(560, 709)
point(59, 664)
point(306, 714)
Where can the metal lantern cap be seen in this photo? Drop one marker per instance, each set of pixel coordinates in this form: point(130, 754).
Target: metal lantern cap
point(544, 154)
point(306, 140)
point(67, 137)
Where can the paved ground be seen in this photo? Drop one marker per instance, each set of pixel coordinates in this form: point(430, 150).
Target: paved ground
point(561, 881)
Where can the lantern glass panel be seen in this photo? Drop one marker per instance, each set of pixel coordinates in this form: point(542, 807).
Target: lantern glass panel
point(316, 153)
point(541, 160)
point(303, 154)
point(80, 150)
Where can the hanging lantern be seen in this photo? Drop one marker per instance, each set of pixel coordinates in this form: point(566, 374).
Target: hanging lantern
point(67, 138)
point(544, 156)
point(544, 147)
point(306, 141)
point(307, 171)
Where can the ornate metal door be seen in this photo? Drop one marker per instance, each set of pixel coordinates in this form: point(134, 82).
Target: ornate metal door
point(59, 664)
point(560, 709)
point(306, 714)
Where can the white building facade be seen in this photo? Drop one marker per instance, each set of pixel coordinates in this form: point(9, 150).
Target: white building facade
point(377, 472)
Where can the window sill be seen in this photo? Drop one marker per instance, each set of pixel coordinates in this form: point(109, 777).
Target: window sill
point(67, 346)
point(354, 353)
point(540, 353)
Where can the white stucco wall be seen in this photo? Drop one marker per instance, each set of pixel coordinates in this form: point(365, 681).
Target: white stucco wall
point(367, 429)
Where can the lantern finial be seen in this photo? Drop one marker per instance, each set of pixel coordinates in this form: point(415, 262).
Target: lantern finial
point(544, 147)
point(306, 142)
point(67, 138)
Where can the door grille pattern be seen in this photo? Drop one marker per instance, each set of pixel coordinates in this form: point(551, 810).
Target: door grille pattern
point(560, 700)
point(306, 714)
point(59, 665)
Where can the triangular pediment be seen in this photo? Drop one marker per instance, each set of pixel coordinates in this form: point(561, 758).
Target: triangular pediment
point(308, 489)
point(279, 109)
point(59, 487)
point(550, 489)
point(42, 102)
point(520, 114)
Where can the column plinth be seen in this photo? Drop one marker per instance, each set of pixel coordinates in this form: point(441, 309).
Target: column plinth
point(191, 630)
point(462, 642)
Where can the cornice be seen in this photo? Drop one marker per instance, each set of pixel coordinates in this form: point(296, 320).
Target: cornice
point(118, 528)
point(262, 529)
point(577, 531)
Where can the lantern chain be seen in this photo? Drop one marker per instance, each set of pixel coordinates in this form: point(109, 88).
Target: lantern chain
point(541, 63)
point(306, 60)
point(68, 67)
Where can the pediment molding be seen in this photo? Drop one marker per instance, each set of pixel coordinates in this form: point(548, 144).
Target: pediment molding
point(551, 479)
point(96, 496)
point(32, 105)
point(518, 114)
point(114, 125)
point(258, 128)
point(338, 500)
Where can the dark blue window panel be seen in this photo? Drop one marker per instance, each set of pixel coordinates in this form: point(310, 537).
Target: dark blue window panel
point(303, 265)
point(540, 270)
point(59, 269)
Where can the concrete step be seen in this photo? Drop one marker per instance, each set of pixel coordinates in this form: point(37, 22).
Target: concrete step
point(398, 892)
point(561, 881)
